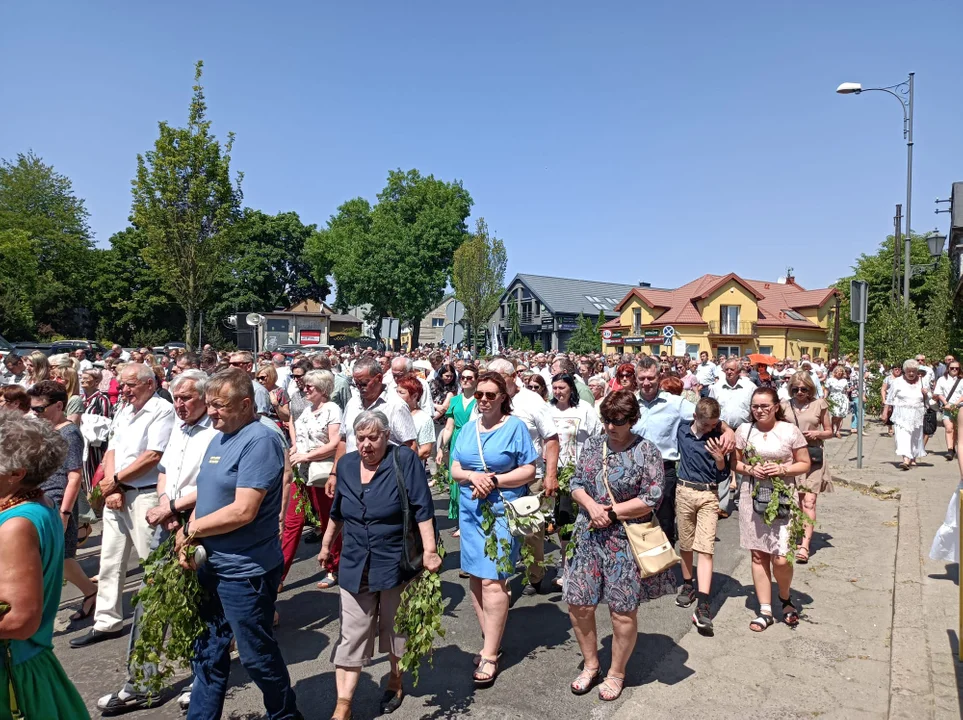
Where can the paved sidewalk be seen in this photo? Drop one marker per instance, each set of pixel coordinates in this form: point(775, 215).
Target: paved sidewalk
point(878, 633)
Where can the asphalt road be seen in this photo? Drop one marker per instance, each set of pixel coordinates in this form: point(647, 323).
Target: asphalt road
point(541, 654)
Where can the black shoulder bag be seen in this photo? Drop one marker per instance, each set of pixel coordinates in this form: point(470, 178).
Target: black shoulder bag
point(413, 549)
point(815, 451)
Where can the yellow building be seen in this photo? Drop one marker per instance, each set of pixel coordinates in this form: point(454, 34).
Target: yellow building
point(724, 314)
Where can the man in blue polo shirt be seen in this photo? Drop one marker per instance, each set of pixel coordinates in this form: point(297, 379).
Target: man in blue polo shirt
point(239, 489)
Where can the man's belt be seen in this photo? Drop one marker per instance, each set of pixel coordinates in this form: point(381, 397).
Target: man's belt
point(698, 485)
point(131, 488)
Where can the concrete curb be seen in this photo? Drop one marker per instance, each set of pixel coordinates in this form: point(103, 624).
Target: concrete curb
point(867, 486)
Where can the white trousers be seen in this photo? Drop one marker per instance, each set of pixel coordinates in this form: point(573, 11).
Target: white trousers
point(909, 443)
point(124, 530)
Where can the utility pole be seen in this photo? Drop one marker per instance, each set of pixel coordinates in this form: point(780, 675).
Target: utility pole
point(908, 240)
point(897, 236)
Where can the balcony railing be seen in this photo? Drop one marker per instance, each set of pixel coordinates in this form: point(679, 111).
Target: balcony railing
point(731, 328)
point(526, 318)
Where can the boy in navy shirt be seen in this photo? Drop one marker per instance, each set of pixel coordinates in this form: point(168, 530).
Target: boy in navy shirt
point(702, 466)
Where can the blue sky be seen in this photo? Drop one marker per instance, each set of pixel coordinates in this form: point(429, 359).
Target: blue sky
point(608, 141)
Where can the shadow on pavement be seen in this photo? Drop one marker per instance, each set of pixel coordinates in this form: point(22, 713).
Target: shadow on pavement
point(957, 665)
point(651, 661)
point(951, 573)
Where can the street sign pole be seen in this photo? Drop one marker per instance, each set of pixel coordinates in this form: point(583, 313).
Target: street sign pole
point(858, 309)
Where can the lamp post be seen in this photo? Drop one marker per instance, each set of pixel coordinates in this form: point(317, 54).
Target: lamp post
point(935, 241)
point(904, 93)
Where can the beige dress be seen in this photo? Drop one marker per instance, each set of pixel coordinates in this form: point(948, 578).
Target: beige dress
point(819, 479)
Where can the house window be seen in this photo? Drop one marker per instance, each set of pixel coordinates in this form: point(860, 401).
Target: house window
point(504, 312)
point(729, 319)
point(438, 322)
point(816, 351)
point(526, 312)
point(692, 351)
point(803, 350)
point(538, 308)
point(765, 349)
point(636, 321)
point(728, 350)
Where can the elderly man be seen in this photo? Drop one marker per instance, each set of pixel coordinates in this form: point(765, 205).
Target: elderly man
point(734, 394)
point(138, 438)
point(235, 519)
point(177, 488)
point(401, 366)
point(280, 364)
point(529, 407)
point(660, 414)
point(244, 360)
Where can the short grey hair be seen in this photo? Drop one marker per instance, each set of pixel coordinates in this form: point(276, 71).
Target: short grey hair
point(238, 383)
point(320, 380)
point(31, 445)
point(61, 360)
point(369, 364)
point(409, 366)
point(198, 377)
point(95, 372)
point(501, 366)
point(597, 380)
point(369, 419)
point(141, 371)
point(910, 365)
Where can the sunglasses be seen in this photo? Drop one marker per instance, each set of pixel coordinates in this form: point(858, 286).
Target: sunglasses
point(262, 378)
point(954, 367)
point(800, 389)
point(625, 374)
point(617, 423)
point(40, 409)
point(534, 386)
point(239, 364)
point(298, 377)
point(479, 395)
point(467, 377)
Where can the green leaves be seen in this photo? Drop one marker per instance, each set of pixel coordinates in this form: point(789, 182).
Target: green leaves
point(478, 276)
point(586, 337)
point(419, 619)
point(171, 597)
point(304, 506)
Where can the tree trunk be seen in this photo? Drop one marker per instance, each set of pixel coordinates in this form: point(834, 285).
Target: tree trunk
point(189, 326)
point(415, 332)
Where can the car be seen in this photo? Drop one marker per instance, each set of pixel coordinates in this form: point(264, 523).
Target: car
point(25, 348)
point(5, 347)
point(68, 346)
point(175, 345)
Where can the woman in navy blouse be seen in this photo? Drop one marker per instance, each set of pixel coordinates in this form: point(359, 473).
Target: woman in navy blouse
point(367, 509)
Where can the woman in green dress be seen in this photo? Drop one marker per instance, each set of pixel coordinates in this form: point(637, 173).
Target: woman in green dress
point(459, 411)
point(31, 574)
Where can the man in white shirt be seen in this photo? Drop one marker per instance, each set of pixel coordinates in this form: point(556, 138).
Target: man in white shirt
point(706, 373)
point(280, 364)
point(177, 485)
point(138, 437)
point(16, 370)
point(81, 356)
point(734, 394)
point(529, 407)
point(372, 394)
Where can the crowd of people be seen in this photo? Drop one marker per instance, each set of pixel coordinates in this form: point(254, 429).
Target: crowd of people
point(206, 447)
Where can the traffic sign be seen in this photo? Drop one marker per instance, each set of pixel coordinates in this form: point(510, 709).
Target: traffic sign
point(668, 331)
point(453, 334)
point(454, 311)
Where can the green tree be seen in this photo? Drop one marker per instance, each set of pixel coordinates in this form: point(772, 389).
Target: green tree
point(126, 295)
point(185, 203)
point(478, 276)
point(895, 333)
point(397, 256)
point(36, 199)
point(537, 346)
point(514, 326)
point(585, 339)
point(267, 264)
point(18, 284)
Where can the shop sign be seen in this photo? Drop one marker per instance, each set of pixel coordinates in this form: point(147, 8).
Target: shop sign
point(653, 333)
point(310, 337)
point(654, 340)
point(636, 340)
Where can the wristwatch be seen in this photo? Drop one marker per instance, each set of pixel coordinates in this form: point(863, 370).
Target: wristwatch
point(495, 479)
point(612, 516)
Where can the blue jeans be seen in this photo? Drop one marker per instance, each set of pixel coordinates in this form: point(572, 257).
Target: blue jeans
point(242, 608)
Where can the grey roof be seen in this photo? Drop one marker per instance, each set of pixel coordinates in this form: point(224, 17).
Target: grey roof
point(568, 295)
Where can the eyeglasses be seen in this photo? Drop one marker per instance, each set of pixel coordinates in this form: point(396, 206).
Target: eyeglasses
point(297, 377)
point(800, 389)
point(954, 367)
point(466, 378)
point(262, 378)
point(534, 386)
point(612, 421)
point(489, 396)
point(762, 408)
point(362, 384)
point(626, 375)
point(39, 409)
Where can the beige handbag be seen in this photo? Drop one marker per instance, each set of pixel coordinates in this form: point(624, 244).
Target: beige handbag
point(651, 548)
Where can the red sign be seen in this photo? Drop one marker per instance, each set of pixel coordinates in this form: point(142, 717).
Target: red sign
point(310, 337)
point(653, 340)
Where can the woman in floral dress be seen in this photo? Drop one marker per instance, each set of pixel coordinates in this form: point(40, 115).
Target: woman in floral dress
point(778, 450)
point(838, 387)
point(603, 569)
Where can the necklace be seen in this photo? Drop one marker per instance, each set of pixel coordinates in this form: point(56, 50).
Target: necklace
point(34, 494)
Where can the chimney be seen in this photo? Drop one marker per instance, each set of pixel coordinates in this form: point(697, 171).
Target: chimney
point(644, 284)
point(790, 280)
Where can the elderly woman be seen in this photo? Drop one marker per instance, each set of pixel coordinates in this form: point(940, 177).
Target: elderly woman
point(493, 461)
point(603, 569)
point(63, 487)
point(597, 385)
point(38, 368)
point(31, 572)
point(907, 395)
point(811, 415)
point(779, 451)
point(837, 387)
point(367, 508)
point(316, 434)
point(267, 375)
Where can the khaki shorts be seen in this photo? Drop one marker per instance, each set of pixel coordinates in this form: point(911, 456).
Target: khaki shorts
point(365, 616)
point(696, 515)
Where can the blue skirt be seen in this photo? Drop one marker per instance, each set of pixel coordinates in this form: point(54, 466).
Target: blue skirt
point(473, 559)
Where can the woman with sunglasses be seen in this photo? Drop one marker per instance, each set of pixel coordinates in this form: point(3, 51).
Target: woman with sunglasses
point(781, 448)
point(456, 417)
point(625, 378)
point(811, 415)
point(949, 393)
point(536, 383)
point(603, 569)
point(267, 376)
point(297, 397)
point(493, 461)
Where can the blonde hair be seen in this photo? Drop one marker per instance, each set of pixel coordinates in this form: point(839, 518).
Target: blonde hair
point(40, 365)
point(69, 376)
point(268, 369)
point(804, 378)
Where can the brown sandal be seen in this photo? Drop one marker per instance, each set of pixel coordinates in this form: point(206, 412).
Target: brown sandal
point(483, 678)
point(608, 691)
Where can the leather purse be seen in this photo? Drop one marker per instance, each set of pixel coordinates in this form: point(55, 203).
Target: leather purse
point(651, 548)
point(413, 549)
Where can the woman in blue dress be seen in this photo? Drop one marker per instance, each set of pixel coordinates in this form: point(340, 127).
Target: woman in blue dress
point(502, 474)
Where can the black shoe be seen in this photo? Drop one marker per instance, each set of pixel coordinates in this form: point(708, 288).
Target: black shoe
point(703, 620)
point(951, 455)
point(686, 596)
point(94, 637)
point(532, 589)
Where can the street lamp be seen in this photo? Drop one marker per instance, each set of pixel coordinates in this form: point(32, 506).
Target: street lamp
point(904, 93)
point(935, 241)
